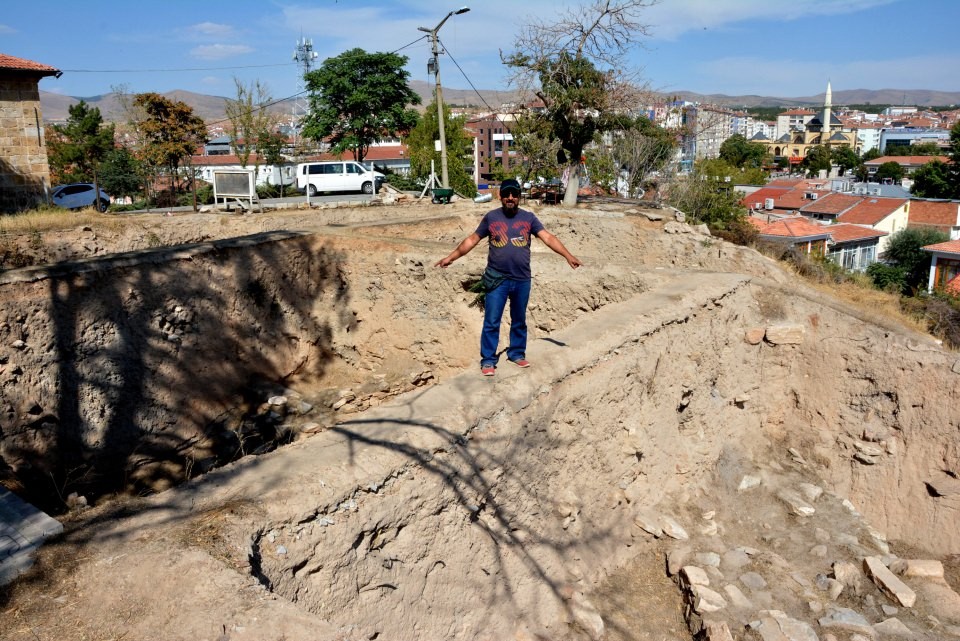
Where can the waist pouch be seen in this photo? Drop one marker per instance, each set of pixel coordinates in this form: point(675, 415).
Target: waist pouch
point(491, 279)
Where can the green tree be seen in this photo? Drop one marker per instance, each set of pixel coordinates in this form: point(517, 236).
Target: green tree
point(79, 146)
point(933, 181)
point(420, 143)
point(891, 170)
point(818, 159)
point(270, 145)
point(358, 98)
point(905, 251)
point(845, 158)
point(169, 130)
point(954, 167)
point(249, 119)
point(871, 154)
point(537, 149)
point(706, 197)
point(922, 149)
point(740, 152)
point(576, 66)
point(121, 173)
point(641, 150)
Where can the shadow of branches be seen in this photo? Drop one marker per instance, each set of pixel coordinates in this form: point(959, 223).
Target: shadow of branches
point(134, 378)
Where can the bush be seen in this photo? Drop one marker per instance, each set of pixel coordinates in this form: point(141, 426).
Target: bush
point(404, 183)
point(737, 231)
point(939, 312)
point(889, 278)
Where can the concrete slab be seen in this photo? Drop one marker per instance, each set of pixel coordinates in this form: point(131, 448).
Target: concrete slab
point(23, 528)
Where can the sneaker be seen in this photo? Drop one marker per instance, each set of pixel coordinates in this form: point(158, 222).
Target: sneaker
point(488, 370)
point(521, 362)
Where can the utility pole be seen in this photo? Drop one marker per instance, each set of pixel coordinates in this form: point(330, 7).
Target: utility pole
point(433, 66)
point(303, 55)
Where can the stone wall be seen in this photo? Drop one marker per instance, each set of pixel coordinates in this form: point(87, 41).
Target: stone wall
point(24, 170)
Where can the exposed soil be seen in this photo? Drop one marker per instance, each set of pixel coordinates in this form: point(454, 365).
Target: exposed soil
point(393, 493)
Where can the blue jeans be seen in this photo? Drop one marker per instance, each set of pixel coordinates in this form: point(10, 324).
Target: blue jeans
point(518, 293)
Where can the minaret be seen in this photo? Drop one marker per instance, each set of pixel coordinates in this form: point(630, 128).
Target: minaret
point(828, 99)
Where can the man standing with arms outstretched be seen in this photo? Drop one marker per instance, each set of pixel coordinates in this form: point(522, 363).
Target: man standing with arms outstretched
point(508, 275)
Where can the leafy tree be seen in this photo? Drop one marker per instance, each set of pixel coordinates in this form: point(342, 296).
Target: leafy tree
point(954, 167)
point(78, 147)
point(740, 152)
point(704, 198)
point(537, 149)
point(891, 170)
point(871, 154)
point(604, 171)
point(121, 173)
point(818, 159)
point(459, 149)
point(933, 181)
point(922, 149)
point(358, 98)
point(249, 119)
point(641, 150)
point(270, 145)
point(905, 251)
point(845, 158)
point(887, 277)
point(576, 65)
point(169, 130)
point(723, 173)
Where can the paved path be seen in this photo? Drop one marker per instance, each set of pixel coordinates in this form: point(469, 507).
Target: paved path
point(22, 529)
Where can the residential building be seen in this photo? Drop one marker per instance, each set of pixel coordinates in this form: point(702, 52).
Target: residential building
point(24, 169)
point(944, 267)
point(793, 120)
point(941, 215)
point(882, 214)
point(909, 163)
point(907, 136)
point(853, 247)
point(830, 206)
point(492, 144)
point(809, 238)
point(820, 129)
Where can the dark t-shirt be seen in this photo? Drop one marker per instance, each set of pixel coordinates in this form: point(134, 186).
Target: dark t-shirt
point(510, 241)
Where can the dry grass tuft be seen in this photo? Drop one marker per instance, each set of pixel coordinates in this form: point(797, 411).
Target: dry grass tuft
point(54, 218)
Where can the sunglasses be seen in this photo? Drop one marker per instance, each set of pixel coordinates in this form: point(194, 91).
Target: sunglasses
point(510, 192)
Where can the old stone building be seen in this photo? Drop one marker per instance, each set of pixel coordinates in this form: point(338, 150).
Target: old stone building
point(24, 170)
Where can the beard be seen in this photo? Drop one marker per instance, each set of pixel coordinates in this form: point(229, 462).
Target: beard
point(510, 210)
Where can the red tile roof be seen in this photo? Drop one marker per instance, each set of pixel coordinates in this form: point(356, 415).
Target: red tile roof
point(935, 212)
point(906, 160)
point(380, 152)
point(795, 227)
point(845, 233)
point(949, 247)
point(11, 63)
point(762, 194)
point(871, 211)
point(831, 203)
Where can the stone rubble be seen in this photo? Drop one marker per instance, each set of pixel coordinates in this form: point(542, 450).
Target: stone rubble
point(766, 589)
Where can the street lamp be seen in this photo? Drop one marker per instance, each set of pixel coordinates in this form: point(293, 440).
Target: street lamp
point(435, 69)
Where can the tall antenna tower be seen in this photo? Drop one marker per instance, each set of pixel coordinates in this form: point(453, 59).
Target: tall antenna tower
point(303, 55)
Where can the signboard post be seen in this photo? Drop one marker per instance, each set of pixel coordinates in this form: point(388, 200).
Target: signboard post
point(238, 185)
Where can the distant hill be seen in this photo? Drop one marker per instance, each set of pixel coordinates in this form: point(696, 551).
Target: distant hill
point(210, 108)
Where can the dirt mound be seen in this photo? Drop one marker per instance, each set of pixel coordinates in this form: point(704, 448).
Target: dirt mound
point(686, 401)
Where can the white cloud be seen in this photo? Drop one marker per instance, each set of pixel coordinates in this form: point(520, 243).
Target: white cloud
point(210, 31)
point(669, 20)
point(4, 29)
point(219, 51)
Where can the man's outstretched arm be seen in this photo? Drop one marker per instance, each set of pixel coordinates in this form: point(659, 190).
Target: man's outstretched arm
point(554, 243)
point(462, 249)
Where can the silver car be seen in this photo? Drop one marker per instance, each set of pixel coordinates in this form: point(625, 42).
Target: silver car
point(80, 195)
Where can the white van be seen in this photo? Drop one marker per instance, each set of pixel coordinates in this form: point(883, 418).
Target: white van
point(318, 177)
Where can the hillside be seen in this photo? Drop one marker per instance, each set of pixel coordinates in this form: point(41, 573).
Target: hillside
point(209, 108)
point(703, 449)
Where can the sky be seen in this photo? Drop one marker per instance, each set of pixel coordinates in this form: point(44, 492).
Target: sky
point(735, 47)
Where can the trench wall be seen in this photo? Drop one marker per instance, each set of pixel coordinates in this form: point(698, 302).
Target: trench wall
point(121, 373)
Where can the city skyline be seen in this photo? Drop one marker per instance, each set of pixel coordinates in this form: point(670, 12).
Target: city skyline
point(733, 47)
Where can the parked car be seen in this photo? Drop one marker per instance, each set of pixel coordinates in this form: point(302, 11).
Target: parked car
point(317, 177)
point(78, 196)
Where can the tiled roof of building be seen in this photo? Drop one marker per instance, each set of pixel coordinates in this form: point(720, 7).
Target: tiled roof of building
point(796, 227)
point(906, 160)
point(832, 203)
point(949, 247)
point(934, 212)
point(871, 211)
point(11, 63)
point(845, 233)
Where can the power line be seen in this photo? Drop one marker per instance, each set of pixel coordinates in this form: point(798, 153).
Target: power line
point(470, 82)
point(283, 64)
